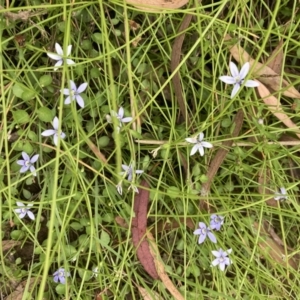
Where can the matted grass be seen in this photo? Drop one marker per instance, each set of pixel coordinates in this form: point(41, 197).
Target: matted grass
point(74, 195)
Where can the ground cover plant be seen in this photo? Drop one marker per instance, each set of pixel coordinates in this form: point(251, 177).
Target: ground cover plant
point(149, 155)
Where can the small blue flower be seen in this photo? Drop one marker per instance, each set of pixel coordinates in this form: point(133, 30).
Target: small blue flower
point(282, 195)
point(238, 77)
point(55, 131)
point(74, 93)
point(60, 276)
point(216, 222)
point(199, 144)
point(24, 210)
point(222, 258)
point(203, 231)
point(27, 163)
point(120, 116)
point(128, 170)
point(60, 56)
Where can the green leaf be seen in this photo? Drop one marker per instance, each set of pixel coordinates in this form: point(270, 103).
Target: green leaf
point(45, 80)
point(104, 237)
point(28, 95)
point(61, 289)
point(97, 37)
point(18, 90)
point(26, 194)
point(103, 141)
point(45, 114)
point(21, 117)
point(76, 226)
point(17, 235)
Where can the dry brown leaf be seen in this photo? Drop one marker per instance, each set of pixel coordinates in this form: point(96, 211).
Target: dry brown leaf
point(221, 154)
point(161, 269)
point(147, 296)
point(19, 292)
point(8, 244)
point(267, 75)
point(271, 249)
point(275, 107)
point(175, 61)
point(138, 229)
point(276, 58)
point(157, 5)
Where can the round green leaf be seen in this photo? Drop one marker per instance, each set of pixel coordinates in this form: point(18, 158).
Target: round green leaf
point(45, 114)
point(61, 289)
point(28, 95)
point(17, 235)
point(103, 141)
point(18, 90)
point(104, 237)
point(45, 80)
point(21, 117)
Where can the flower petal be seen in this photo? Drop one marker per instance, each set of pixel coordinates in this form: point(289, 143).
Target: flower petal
point(62, 135)
point(228, 251)
point(62, 279)
point(55, 139)
point(125, 168)
point(197, 231)
point(20, 204)
point(30, 215)
point(194, 149)
point(70, 61)
point(216, 253)
point(59, 49)
point(139, 171)
point(58, 64)
point(69, 49)
point(222, 266)
point(201, 149)
point(121, 112)
point(191, 140)
point(73, 85)
point(244, 70)
point(80, 101)
point(32, 170)
point(65, 92)
point(227, 79)
point(48, 132)
point(212, 237)
point(251, 83)
point(82, 87)
point(200, 136)
point(24, 169)
point(202, 238)
point(25, 156)
point(55, 123)
point(54, 56)
point(234, 70)
point(68, 100)
point(22, 215)
point(20, 162)
point(34, 158)
point(126, 120)
point(206, 144)
point(215, 262)
point(235, 90)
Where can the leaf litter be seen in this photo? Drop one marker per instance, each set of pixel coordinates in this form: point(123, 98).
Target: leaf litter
point(146, 248)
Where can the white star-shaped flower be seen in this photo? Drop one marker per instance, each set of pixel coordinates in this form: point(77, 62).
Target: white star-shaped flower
point(238, 78)
point(74, 93)
point(55, 131)
point(199, 144)
point(24, 210)
point(60, 57)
